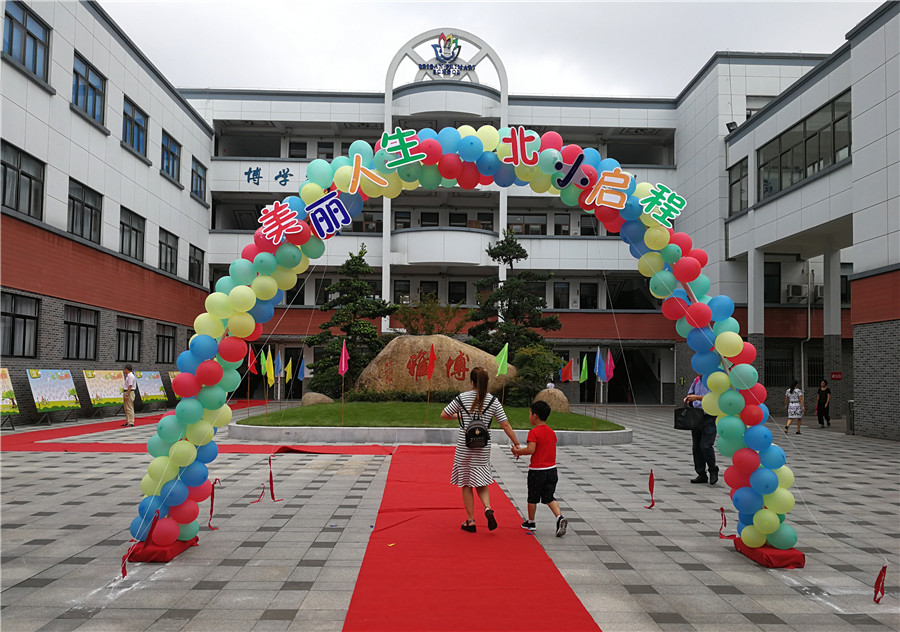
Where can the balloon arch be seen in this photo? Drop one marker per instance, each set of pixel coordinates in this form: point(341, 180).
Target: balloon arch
point(294, 231)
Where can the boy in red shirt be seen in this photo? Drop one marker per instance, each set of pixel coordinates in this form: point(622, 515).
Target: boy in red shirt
point(542, 475)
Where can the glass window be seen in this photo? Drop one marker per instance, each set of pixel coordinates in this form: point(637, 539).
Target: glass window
point(367, 222)
point(168, 251)
point(402, 219)
point(588, 225)
point(815, 371)
point(195, 265)
point(128, 339)
point(561, 224)
point(134, 127)
point(171, 157)
point(26, 39)
point(165, 344)
point(81, 333)
point(527, 224)
point(322, 296)
point(23, 182)
point(629, 293)
point(325, 150)
point(841, 139)
point(456, 292)
point(428, 287)
point(737, 187)
point(401, 292)
point(88, 89)
point(588, 295)
point(768, 171)
point(84, 211)
point(771, 283)
point(20, 325)
point(374, 289)
point(560, 295)
point(458, 220)
point(428, 220)
point(297, 149)
point(198, 180)
point(131, 234)
point(295, 296)
point(537, 288)
point(779, 366)
point(486, 220)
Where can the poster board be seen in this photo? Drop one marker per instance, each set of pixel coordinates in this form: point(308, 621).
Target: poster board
point(172, 375)
point(104, 387)
point(150, 385)
point(52, 390)
point(8, 404)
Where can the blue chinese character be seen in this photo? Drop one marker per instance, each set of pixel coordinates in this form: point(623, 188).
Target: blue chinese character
point(283, 176)
point(253, 175)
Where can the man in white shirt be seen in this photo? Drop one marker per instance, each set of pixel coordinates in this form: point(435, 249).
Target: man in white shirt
point(128, 396)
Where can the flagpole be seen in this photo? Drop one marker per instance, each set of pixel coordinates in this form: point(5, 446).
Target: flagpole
point(342, 401)
point(599, 385)
point(428, 403)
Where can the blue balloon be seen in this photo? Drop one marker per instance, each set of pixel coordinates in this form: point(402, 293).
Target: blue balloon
point(449, 139)
point(488, 163)
point(520, 183)
point(680, 293)
point(187, 362)
point(505, 176)
point(296, 204)
point(353, 202)
point(278, 298)
point(701, 339)
point(262, 311)
point(633, 231)
point(722, 307)
point(746, 518)
point(195, 473)
point(741, 524)
point(764, 481)
point(632, 210)
point(758, 437)
point(139, 528)
point(765, 410)
point(608, 164)
point(204, 347)
point(425, 133)
point(173, 493)
point(592, 157)
point(772, 457)
point(470, 148)
point(705, 362)
point(150, 505)
point(747, 500)
point(207, 453)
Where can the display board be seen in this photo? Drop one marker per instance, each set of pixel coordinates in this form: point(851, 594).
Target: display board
point(104, 387)
point(8, 404)
point(150, 385)
point(53, 389)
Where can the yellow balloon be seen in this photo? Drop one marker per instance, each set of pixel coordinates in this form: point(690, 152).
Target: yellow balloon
point(711, 404)
point(785, 476)
point(303, 266)
point(553, 191)
point(526, 173)
point(489, 137)
point(219, 417)
point(503, 149)
point(264, 287)
point(766, 521)
point(199, 433)
point(718, 382)
point(162, 469)
point(729, 343)
point(780, 501)
point(310, 192)
point(182, 453)
point(410, 186)
point(286, 279)
point(242, 298)
point(241, 324)
point(642, 190)
point(647, 220)
point(209, 325)
point(650, 263)
point(540, 183)
point(342, 178)
point(466, 130)
point(218, 305)
point(656, 237)
point(752, 537)
point(370, 188)
point(394, 187)
point(150, 486)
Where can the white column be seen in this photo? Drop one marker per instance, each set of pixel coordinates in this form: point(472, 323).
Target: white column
point(386, 294)
point(755, 294)
point(832, 284)
point(504, 199)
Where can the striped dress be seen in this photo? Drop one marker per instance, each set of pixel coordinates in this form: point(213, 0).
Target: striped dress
point(472, 466)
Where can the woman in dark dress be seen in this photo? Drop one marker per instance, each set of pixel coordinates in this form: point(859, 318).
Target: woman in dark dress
point(822, 404)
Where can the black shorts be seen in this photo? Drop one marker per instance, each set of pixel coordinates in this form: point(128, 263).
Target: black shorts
point(542, 486)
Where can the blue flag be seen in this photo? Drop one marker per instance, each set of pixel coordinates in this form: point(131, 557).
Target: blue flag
point(599, 367)
point(278, 366)
point(301, 372)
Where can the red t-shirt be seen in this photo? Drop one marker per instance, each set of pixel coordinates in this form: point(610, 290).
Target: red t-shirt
point(544, 456)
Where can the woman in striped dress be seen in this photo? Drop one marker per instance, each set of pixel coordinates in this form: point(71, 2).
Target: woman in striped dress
point(472, 466)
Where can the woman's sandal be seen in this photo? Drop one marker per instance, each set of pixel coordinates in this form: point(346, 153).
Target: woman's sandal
point(466, 526)
point(492, 522)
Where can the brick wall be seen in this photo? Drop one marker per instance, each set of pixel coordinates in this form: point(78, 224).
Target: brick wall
point(876, 378)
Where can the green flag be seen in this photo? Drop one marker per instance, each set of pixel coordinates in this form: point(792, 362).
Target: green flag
point(501, 360)
point(262, 361)
point(584, 371)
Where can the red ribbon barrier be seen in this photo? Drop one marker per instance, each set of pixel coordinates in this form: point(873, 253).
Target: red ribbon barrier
point(652, 502)
point(724, 524)
point(212, 502)
point(138, 544)
point(879, 584)
point(272, 482)
point(261, 494)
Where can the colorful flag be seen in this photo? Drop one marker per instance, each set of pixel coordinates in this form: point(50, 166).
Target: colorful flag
point(262, 361)
point(287, 371)
point(345, 359)
point(599, 367)
point(432, 358)
point(251, 360)
point(566, 374)
point(584, 370)
point(270, 370)
point(501, 360)
point(278, 365)
point(609, 365)
point(301, 372)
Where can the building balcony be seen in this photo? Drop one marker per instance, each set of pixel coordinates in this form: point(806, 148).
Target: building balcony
point(442, 245)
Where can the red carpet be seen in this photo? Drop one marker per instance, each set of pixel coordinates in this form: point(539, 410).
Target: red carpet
point(421, 572)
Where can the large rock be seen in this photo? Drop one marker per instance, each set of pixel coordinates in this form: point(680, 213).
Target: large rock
point(555, 398)
point(311, 399)
point(403, 365)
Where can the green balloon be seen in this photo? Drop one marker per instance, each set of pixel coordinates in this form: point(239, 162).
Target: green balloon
point(225, 285)
point(170, 429)
point(448, 183)
point(731, 428)
point(784, 537)
point(228, 365)
point(430, 178)
point(264, 263)
point(729, 324)
point(382, 157)
point(569, 195)
point(683, 327)
point(231, 379)
point(700, 285)
point(288, 256)
point(242, 272)
point(744, 376)
point(340, 161)
point(188, 531)
point(731, 402)
point(157, 446)
point(320, 172)
point(410, 172)
point(314, 248)
point(671, 253)
point(188, 411)
point(728, 448)
point(547, 161)
point(212, 397)
point(662, 284)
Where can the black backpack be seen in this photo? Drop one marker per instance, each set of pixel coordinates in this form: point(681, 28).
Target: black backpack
point(478, 433)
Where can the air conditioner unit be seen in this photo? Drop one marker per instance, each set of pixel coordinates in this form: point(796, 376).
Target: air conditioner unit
point(819, 293)
point(795, 290)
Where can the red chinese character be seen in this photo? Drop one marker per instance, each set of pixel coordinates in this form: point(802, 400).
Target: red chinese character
point(517, 139)
point(278, 220)
point(458, 367)
point(387, 371)
point(418, 365)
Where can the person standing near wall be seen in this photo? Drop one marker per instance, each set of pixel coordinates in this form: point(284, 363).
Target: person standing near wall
point(128, 396)
point(823, 402)
point(704, 437)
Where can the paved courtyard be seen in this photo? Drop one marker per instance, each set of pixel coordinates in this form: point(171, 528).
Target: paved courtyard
point(292, 565)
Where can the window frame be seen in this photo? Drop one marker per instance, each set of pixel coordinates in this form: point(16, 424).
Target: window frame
point(134, 132)
point(198, 179)
point(170, 165)
point(595, 295)
point(195, 264)
point(128, 339)
point(455, 218)
point(165, 343)
point(20, 329)
point(738, 186)
point(35, 187)
point(321, 297)
point(434, 289)
point(451, 291)
point(588, 226)
point(166, 248)
point(562, 228)
point(85, 333)
point(401, 298)
point(81, 209)
point(11, 24)
point(429, 219)
point(87, 101)
point(402, 220)
point(560, 289)
point(131, 234)
point(322, 152)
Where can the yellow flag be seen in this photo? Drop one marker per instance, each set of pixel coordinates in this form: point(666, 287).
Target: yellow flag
point(287, 371)
point(270, 370)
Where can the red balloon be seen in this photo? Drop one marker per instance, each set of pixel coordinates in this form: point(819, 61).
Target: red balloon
point(591, 173)
point(673, 308)
point(185, 513)
point(606, 214)
point(262, 242)
point(449, 166)
point(700, 255)
point(734, 478)
point(301, 237)
point(486, 180)
point(682, 240)
point(432, 150)
point(468, 176)
point(752, 414)
point(551, 140)
point(209, 372)
point(615, 224)
point(570, 153)
point(232, 349)
point(686, 269)
point(166, 531)
point(201, 492)
point(746, 356)
point(249, 252)
point(186, 385)
point(746, 460)
point(698, 315)
point(755, 394)
point(257, 332)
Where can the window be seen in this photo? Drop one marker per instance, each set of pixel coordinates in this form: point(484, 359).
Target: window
point(88, 87)
point(367, 222)
point(402, 219)
point(198, 180)
point(322, 296)
point(426, 288)
point(345, 147)
point(325, 150)
point(815, 371)
point(165, 344)
point(23, 182)
point(84, 211)
point(20, 323)
point(428, 220)
point(134, 127)
point(536, 288)
point(195, 265)
point(737, 187)
point(458, 219)
point(171, 157)
point(588, 225)
point(561, 224)
point(168, 251)
point(296, 295)
point(771, 282)
point(401, 292)
point(131, 234)
point(26, 39)
point(560, 295)
point(629, 293)
point(588, 295)
point(297, 149)
point(374, 289)
point(527, 224)
point(456, 293)
point(81, 333)
point(779, 367)
point(486, 220)
point(128, 339)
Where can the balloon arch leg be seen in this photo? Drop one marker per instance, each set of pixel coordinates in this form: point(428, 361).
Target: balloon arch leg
point(293, 231)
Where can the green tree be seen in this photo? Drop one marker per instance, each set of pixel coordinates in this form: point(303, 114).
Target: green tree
point(428, 317)
point(535, 364)
point(353, 308)
point(510, 312)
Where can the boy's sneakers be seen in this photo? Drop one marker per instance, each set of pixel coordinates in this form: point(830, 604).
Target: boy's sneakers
point(561, 524)
point(528, 524)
